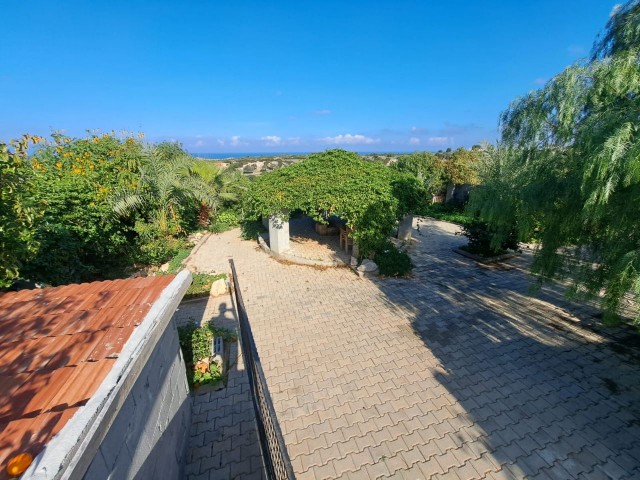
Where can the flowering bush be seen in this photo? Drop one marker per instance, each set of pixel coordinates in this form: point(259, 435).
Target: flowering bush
point(73, 180)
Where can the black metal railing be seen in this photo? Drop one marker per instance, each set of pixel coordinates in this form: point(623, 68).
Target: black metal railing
point(274, 450)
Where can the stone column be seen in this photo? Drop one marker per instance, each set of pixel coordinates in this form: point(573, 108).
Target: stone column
point(451, 188)
point(355, 253)
point(405, 229)
point(279, 233)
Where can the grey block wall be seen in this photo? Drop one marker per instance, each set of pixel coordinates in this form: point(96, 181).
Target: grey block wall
point(148, 438)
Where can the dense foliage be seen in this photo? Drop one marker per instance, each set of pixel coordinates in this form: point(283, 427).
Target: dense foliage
point(437, 170)
point(195, 342)
point(569, 168)
point(449, 212)
point(392, 262)
point(481, 239)
point(426, 167)
point(90, 208)
point(74, 180)
point(17, 242)
point(367, 195)
point(462, 166)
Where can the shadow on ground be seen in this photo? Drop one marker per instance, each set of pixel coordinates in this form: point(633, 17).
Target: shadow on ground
point(555, 394)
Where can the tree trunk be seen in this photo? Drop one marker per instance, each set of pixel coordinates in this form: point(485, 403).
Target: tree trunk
point(203, 215)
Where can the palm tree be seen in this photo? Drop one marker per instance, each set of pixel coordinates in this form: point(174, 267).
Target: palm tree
point(163, 187)
point(212, 187)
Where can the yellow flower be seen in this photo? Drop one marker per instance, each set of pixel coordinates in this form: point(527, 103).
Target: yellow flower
point(76, 170)
point(59, 164)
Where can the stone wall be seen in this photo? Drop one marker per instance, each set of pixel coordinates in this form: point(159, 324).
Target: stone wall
point(148, 438)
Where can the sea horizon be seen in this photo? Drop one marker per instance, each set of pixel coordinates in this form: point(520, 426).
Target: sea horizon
point(236, 155)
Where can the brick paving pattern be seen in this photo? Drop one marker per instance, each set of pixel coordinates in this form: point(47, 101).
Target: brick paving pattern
point(223, 441)
point(458, 372)
point(306, 243)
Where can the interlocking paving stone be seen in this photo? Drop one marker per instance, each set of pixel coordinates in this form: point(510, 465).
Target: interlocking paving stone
point(457, 372)
point(224, 440)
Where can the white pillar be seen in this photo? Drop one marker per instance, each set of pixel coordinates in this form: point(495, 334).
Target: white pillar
point(355, 253)
point(405, 228)
point(279, 233)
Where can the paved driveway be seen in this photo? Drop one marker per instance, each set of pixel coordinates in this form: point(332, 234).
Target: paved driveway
point(455, 373)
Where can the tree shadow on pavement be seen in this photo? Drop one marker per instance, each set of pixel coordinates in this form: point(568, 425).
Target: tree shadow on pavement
point(534, 386)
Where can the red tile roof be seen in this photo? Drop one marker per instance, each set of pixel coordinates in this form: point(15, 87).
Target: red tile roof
point(56, 347)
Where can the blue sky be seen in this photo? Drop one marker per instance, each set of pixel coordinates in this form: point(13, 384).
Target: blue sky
point(284, 76)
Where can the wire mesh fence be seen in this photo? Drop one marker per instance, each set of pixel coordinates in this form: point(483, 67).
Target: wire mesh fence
point(274, 452)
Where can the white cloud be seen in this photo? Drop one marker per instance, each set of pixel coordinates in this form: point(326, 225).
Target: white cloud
point(439, 140)
point(414, 141)
point(235, 141)
point(293, 140)
point(417, 130)
point(350, 139)
point(220, 142)
point(540, 81)
point(272, 140)
point(199, 143)
point(322, 112)
point(615, 9)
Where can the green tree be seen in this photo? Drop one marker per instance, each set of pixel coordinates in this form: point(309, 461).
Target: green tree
point(17, 241)
point(569, 167)
point(214, 188)
point(73, 179)
point(162, 192)
point(427, 167)
point(462, 167)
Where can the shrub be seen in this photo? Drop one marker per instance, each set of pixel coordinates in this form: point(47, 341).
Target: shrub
point(449, 212)
point(195, 342)
point(17, 242)
point(73, 180)
point(481, 239)
point(157, 250)
point(225, 221)
point(392, 262)
point(250, 229)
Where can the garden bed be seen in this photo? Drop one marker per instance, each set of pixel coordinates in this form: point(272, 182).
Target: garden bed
point(205, 367)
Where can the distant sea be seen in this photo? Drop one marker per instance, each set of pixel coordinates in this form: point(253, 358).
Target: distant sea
point(229, 156)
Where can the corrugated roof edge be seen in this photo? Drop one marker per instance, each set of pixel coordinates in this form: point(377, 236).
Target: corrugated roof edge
point(69, 454)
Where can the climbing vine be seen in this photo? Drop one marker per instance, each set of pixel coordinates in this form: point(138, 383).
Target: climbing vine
point(367, 195)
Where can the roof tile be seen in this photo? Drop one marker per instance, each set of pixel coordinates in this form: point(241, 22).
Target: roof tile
point(56, 347)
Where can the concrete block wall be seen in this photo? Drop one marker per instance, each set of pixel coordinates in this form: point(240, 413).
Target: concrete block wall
point(148, 438)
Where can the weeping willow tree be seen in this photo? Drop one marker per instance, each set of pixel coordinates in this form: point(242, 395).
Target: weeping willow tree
point(568, 168)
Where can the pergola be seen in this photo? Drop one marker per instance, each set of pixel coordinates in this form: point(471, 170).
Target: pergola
point(368, 196)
